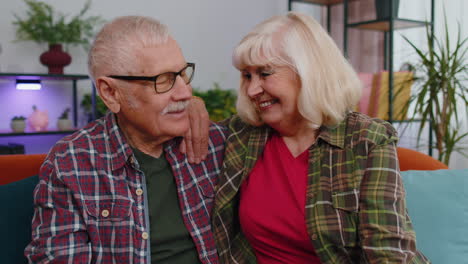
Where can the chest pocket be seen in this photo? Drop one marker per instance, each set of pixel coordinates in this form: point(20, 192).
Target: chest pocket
point(346, 205)
point(108, 209)
point(347, 201)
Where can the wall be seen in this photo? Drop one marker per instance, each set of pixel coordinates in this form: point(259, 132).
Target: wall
point(207, 31)
point(455, 13)
point(365, 49)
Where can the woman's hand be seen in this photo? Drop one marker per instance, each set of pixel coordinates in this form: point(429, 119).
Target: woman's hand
point(195, 142)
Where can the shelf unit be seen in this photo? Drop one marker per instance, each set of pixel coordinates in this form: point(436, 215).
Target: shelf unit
point(388, 26)
point(74, 78)
point(325, 3)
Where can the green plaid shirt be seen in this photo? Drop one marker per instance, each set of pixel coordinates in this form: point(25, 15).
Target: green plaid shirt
point(355, 205)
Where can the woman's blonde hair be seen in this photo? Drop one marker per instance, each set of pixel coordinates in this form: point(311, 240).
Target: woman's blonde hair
point(330, 86)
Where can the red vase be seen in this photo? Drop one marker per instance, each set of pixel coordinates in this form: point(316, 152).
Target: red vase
point(55, 59)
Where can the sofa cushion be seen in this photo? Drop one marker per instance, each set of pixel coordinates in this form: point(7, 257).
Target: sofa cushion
point(437, 203)
point(16, 205)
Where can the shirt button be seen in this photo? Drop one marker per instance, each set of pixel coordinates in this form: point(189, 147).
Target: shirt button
point(314, 237)
point(139, 191)
point(105, 213)
point(140, 207)
point(144, 235)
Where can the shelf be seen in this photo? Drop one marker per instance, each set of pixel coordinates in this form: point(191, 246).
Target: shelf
point(322, 2)
point(404, 121)
point(384, 25)
point(26, 133)
point(40, 76)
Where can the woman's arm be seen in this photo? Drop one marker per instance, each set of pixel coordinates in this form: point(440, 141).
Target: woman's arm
point(384, 227)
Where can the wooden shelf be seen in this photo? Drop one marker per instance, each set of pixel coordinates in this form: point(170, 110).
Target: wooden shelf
point(322, 2)
point(6, 133)
point(384, 25)
point(41, 76)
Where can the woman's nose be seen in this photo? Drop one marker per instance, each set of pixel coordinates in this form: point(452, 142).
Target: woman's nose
point(255, 88)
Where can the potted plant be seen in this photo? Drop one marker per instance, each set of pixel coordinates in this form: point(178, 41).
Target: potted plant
point(86, 103)
point(18, 124)
point(441, 96)
point(43, 24)
point(63, 122)
point(220, 104)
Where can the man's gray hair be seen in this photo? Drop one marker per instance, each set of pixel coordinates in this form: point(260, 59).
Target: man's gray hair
point(112, 51)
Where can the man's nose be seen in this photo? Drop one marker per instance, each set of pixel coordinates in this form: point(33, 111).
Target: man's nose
point(182, 90)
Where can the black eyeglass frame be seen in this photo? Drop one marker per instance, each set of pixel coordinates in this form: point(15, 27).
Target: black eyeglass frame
point(154, 78)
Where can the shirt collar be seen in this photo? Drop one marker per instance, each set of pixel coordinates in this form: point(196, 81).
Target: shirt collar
point(122, 152)
point(334, 135)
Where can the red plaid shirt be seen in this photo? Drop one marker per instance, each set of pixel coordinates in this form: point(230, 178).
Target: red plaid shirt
point(90, 203)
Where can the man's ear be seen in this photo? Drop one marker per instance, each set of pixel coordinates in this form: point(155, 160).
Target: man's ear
point(109, 93)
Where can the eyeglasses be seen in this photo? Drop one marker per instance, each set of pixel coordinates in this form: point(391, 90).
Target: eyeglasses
point(165, 81)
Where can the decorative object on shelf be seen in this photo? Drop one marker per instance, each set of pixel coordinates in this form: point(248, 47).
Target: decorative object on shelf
point(378, 105)
point(55, 59)
point(38, 120)
point(86, 103)
point(63, 122)
point(220, 104)
point(18, 124)
point(383, 7)
point(441, 96)
point(374, 99)
point(44, 25)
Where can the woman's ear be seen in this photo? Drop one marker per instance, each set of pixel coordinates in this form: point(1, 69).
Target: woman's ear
point(109, 93)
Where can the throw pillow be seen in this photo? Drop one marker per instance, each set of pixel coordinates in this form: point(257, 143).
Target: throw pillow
point(16, 205)
point(437, 203)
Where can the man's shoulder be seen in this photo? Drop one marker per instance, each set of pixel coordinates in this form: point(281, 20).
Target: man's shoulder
point(218, 133)
point(88, 141)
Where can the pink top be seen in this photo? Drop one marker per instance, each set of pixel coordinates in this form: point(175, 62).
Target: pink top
point(272, 205)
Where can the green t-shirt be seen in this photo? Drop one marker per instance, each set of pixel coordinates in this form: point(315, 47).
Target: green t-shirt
point(170, 241)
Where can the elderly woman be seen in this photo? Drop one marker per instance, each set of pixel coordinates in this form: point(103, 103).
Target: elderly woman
point(305, 179)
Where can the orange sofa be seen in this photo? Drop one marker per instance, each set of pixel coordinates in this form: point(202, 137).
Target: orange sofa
point(17, 167)
point(17, 185)
point(414, 160)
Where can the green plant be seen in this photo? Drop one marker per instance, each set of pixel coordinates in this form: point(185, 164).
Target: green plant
point(220, 104)
point(43, 24)
point(441, 76)
point(64, 114)
point(86, 103)
point(17, 118)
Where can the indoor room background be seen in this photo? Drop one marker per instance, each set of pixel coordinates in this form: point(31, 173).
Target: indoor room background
point(207, 31)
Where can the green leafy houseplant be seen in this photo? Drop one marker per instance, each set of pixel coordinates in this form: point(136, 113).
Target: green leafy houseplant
point(17, 118)
point(441, 96)
point(86, 103)
point(220, 104)
point(63, 123)
point(64, 114)
point(18, 124)
point(43, 24)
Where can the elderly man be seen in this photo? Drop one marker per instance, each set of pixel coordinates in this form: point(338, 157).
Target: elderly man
point(119, 190)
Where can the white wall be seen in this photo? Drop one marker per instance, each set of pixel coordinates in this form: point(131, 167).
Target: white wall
point(207, 31)
point(420, 9)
